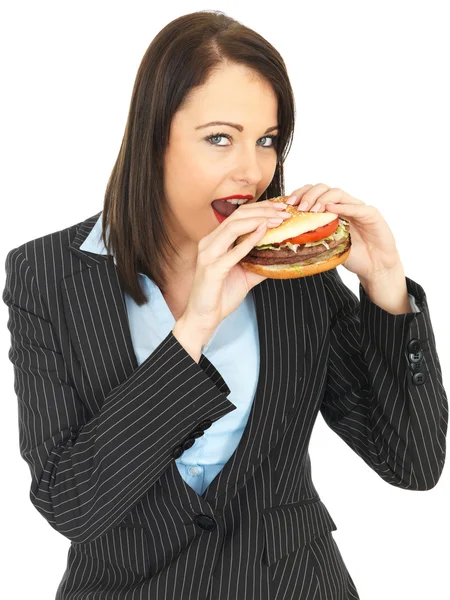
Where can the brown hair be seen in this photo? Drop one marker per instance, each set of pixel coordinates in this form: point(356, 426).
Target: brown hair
point(181, 57)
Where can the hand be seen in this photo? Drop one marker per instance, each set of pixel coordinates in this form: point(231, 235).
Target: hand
point(220, 284)
point(373, 252)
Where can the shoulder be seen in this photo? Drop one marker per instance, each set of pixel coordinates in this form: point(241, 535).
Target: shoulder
point(49, 257)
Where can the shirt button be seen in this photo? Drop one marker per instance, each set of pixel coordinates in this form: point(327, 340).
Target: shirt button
point(193, 471)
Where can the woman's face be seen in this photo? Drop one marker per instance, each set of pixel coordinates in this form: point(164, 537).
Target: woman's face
point(198, 171)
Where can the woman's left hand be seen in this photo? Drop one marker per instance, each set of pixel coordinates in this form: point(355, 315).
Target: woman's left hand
point(373, 252)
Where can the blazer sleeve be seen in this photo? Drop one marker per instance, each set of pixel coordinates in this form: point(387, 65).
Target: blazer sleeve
point(397, 425)
point(88, 473)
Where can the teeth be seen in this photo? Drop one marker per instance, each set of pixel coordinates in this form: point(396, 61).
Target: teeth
point(237, 201)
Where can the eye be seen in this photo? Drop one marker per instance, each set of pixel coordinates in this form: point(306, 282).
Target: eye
point(210, 139)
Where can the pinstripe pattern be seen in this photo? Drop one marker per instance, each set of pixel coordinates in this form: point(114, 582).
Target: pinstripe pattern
point(98, 431)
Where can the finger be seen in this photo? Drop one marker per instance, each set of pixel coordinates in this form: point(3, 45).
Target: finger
point(265, 204)
point(334, 195)
point(226, 237)
point(310, 197)
point(338, 196)
point(297, 195)
point(266, 208)
point(239, 251)
point(356, 212)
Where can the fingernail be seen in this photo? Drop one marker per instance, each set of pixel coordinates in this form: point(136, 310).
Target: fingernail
point(291, 199)
point(316, 208)
point(303, 205)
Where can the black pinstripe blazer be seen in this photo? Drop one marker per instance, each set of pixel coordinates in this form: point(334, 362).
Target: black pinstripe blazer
point(100, 433)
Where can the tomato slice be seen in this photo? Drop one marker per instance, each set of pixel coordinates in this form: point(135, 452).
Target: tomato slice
point(316, 234)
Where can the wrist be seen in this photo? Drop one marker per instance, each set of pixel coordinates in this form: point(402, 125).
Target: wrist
point(192, 328)
point(397, 272)
point(190, 337)
point(388, 290)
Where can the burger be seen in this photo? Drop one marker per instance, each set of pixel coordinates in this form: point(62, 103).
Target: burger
point(306, 244)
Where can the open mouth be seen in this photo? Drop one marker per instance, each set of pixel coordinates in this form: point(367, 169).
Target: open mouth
point(218, 216)
point(223, 209)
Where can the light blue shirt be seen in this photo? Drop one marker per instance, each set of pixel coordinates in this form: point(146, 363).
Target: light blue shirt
point(236, 335)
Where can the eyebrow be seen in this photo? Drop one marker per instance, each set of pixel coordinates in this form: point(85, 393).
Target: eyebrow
point(235, 125)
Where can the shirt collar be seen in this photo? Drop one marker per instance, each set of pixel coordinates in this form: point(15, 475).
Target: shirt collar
point(94, 242)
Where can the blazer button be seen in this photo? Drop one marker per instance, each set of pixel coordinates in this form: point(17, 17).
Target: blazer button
point(414, 346)
point(187, 443)
point(419, 378)
point(196, 434)
point(415, 367)
point(184, 446)
point(205, 522)
point(204, 424)
point(416, 357)
point(177, 452)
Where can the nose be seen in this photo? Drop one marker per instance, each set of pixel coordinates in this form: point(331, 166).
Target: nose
point(248, 165)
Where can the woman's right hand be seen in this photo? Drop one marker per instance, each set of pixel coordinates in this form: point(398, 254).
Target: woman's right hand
point(220, 284)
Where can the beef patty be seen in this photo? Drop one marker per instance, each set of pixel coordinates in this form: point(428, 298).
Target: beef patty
point(286, 256)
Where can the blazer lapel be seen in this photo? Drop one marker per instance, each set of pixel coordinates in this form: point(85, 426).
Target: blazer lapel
point(96, 316)
point(279, 311)
point(97, 320)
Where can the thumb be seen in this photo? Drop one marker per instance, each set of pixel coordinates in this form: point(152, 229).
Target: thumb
point(253, 278)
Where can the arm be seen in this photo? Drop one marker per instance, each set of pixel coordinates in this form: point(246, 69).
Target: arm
point(88, 471)
point(398, 428)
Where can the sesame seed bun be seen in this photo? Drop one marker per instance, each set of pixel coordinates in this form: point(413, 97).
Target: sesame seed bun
point(300, 222)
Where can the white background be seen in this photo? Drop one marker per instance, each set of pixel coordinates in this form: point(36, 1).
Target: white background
point(372, 100)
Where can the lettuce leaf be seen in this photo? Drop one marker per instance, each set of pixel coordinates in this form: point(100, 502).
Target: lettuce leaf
point(341, 232)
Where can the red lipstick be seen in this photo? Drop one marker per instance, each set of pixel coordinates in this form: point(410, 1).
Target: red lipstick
point(238, 196)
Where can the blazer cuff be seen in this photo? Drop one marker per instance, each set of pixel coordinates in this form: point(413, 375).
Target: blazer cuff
point(379, 325)
point(416, 294)
point(204, 364)
point(214, 375)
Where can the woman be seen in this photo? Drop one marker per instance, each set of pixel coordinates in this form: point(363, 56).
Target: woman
point(165, 411)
